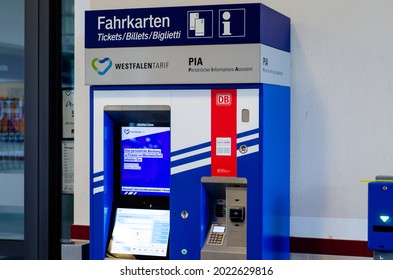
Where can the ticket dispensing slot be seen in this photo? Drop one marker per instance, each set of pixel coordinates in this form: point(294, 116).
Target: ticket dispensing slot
point(226, 238)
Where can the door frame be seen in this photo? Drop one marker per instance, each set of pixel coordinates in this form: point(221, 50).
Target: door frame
point(43, 127)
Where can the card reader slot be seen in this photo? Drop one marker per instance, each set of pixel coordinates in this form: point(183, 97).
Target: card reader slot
point(383, 228)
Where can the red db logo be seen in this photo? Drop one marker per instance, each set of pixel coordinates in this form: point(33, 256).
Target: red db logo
point(224, 99)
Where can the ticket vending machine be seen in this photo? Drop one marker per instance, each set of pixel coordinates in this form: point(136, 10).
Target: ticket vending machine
point(212, 84)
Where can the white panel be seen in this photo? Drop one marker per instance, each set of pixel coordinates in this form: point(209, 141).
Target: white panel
point(190, 118)
point(275, 66)
point(247, 99)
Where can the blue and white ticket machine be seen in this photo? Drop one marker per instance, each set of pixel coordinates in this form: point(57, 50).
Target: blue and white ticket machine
point(190, 132)
point(380, 217)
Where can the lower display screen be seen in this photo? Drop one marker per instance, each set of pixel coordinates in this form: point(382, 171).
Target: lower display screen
point(140, 232)
point(219, 229)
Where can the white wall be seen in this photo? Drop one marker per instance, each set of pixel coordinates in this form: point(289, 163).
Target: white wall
point(341, 118)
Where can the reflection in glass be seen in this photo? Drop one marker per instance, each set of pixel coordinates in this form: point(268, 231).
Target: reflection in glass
point(12, 122)
point(67, 80)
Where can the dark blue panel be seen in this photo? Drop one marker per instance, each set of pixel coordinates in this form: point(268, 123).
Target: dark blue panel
point(96, 203)
point(186, 234)
point(205, 215)
point(250, 168)
point(97, 248)
point(108, 174)
point(193, 25)
point(101, 203)
point(276, 171)
point(275, 29)
point(380, 233)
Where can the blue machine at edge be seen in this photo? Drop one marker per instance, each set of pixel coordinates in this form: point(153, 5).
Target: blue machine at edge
point(380, 217)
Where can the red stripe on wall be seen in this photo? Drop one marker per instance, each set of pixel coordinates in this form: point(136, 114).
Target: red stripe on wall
point(223, 132)
point(80, 232)
point(353, 248)
point(301, 245)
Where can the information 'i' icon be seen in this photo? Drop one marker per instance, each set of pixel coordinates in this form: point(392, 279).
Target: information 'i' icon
point(227, 24)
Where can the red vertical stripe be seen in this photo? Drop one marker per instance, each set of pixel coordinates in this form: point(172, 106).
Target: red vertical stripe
point(223, 132)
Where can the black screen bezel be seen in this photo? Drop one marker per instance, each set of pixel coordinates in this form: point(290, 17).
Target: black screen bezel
point(151, 118)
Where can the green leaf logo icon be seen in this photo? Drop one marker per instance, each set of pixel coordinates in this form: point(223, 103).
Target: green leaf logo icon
point(101, 66)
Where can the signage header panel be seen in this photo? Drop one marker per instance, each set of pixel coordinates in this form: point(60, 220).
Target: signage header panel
point(174, 26)
point(173, 65)
point(188, 65)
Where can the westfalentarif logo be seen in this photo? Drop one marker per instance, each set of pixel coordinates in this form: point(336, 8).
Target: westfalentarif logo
point(101, 66)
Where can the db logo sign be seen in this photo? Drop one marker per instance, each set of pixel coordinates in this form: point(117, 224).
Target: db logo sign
point(224, 99)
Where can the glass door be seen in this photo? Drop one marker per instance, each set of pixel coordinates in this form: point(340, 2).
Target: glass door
point(12, 136)
point(30, 129)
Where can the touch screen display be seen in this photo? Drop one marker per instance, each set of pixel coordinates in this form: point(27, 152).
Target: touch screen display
point(145, 160)
point(143, 232)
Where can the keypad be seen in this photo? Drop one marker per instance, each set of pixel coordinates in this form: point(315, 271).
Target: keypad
point(216, 238)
